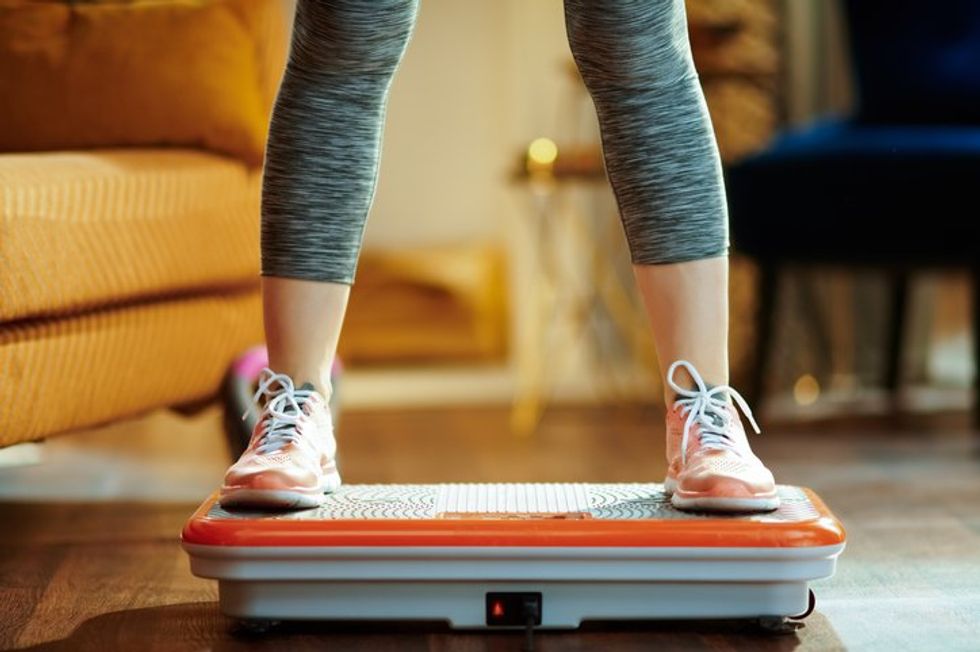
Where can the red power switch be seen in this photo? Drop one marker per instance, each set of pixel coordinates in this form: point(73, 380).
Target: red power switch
point(513, 609)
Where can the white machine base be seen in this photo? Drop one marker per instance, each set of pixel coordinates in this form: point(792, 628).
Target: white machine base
point(451, 583)
point(565, 605)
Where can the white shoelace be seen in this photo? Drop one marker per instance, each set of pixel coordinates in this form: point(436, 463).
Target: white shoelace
point(282, 411)
point(703, 406)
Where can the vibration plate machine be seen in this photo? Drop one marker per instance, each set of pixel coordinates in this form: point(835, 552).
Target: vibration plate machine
point(514, 555)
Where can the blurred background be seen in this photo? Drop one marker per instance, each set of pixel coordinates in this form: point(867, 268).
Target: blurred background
point(494, 271)
point(765, 67)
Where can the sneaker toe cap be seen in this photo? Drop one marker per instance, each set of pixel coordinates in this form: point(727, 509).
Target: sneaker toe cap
point(746, 481)
point(270, 479)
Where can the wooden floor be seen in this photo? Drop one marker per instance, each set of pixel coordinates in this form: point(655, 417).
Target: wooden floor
point(98, 576)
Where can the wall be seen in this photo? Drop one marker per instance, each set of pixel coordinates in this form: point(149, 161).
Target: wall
point(478, 82)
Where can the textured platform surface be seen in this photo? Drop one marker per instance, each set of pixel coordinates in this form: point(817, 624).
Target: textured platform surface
point(516, 501)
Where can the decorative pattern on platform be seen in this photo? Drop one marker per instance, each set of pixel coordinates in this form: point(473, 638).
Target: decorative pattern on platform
point(602, 501)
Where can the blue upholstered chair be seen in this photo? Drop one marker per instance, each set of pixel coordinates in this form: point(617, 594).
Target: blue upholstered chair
point(893, 185)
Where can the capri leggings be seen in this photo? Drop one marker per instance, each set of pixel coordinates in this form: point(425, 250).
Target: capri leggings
point(325, 136)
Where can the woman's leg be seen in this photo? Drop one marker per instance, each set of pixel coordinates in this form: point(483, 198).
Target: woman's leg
point(321, 166)
point(302, 327)
point(320, 170)
point(687, 304)
point(664, 167)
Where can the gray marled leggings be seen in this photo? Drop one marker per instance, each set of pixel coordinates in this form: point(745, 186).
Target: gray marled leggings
point(325, 137)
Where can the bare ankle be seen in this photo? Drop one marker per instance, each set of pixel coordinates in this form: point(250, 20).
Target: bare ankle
point(304, 375)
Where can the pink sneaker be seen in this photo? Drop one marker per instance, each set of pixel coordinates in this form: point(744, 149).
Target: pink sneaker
point(710, 463)
point(289, 462)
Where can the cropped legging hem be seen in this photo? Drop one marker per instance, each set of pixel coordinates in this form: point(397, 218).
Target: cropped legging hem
point(319, 276)
point(307, 275)
point(687, 257)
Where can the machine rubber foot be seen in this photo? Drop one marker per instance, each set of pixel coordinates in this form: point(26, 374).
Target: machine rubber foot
point(253, 626)
point(778, 625)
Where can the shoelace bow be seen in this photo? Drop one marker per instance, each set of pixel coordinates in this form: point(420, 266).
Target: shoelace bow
point(282, 410)
point(707, 407)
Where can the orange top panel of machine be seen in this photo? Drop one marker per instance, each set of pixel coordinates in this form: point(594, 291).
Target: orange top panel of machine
point(818, 528)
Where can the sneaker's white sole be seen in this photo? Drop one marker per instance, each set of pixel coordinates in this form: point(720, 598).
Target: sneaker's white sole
point(279, 498)
point(719, 504)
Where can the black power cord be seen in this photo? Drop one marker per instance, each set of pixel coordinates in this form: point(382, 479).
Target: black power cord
point(531, 611)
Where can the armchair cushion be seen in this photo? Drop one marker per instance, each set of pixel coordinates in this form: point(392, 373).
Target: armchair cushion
point(847, 192)
point(112, 74)
point(85, 230)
